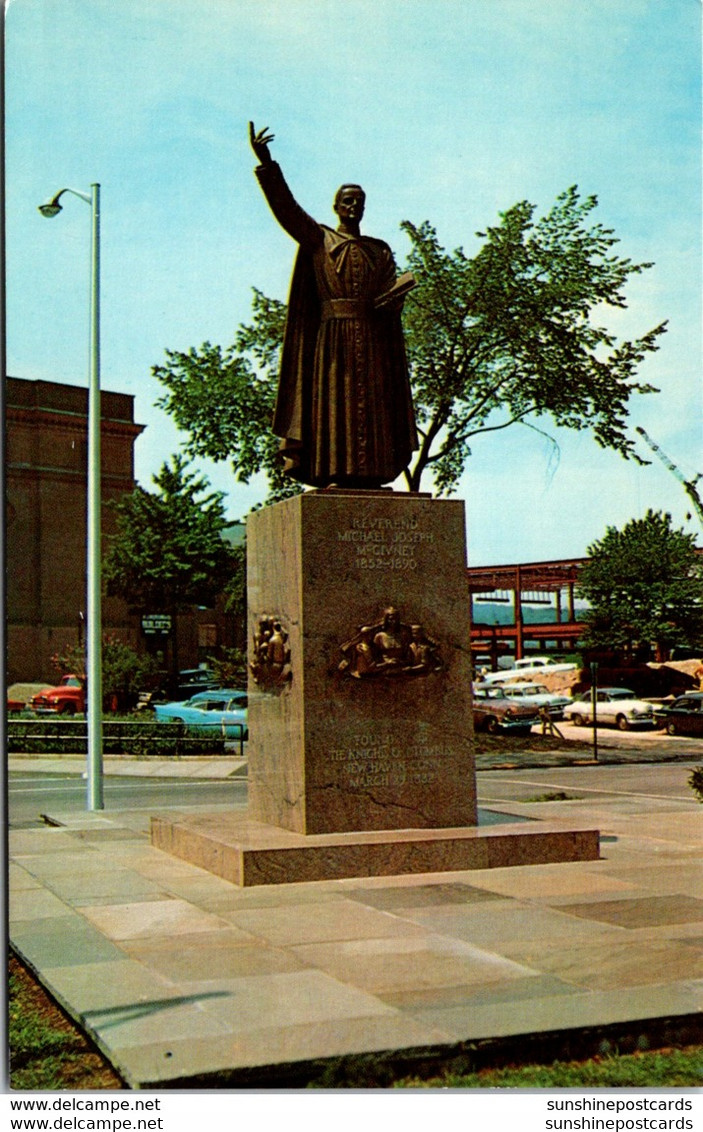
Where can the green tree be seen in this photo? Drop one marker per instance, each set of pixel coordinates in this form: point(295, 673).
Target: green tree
point(230, 668)
point(168, 554)
point(124, 672)
point(644, 585)
point(235, 601)
point(224, 398)
point(508, 336)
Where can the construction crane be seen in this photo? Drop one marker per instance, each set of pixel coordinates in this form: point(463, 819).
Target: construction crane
point(689, 486)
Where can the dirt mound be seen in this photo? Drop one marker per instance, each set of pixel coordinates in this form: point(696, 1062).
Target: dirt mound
point(689, 667)
point(534, 743)
point(657, 681)
point(553, 681)
point(648, 681)
point(677, 676)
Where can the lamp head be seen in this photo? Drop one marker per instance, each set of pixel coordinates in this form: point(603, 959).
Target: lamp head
point(52, 208)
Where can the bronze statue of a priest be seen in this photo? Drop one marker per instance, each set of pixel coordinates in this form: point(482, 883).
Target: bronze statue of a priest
point(344, 410)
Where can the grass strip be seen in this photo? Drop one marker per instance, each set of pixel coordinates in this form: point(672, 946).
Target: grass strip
point(651, 1069)
point(47, 1051)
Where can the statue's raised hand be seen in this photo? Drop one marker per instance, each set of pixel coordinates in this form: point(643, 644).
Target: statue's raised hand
point(260, 144)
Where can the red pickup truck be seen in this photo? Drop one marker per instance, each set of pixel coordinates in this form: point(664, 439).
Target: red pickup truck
point(67, 697)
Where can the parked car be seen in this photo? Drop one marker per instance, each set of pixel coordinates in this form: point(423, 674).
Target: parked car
point(192, 680)
point(538, 696)
point(530, 666)
point(617, 706)
point(493, 712)
point(233, 693)
point(223, 711)
point(147, 700)
point(66, 698)
point(684, 716)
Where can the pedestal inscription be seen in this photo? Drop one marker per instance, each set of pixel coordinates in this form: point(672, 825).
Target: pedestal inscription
point(370, 586)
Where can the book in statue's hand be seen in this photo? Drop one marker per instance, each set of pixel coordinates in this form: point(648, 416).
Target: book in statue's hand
point(398, 291)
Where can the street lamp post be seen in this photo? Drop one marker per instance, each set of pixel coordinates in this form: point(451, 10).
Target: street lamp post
point(594, 706)
point(94, 618)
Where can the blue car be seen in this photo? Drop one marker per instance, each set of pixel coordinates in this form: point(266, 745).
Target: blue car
point(218, 693)
point(220, 711)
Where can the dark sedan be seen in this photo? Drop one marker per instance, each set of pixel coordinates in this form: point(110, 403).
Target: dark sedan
point(684, 716)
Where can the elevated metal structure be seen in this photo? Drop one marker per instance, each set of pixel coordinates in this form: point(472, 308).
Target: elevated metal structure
point(547, 581)
point(522, 583)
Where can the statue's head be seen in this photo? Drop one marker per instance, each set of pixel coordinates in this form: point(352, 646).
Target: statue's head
point(349, 202)
point(391, 618)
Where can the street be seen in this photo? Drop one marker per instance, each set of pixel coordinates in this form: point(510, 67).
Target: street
point(32, 794)
point(597, 785)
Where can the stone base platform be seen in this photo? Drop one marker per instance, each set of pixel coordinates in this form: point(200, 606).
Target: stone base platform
point(247, 852)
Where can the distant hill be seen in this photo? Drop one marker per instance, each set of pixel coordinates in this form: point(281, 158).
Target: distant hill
point(494, 613)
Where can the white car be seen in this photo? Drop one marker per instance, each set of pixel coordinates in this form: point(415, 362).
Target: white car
point(539, 696)
point(617, 706)
point(529, 666)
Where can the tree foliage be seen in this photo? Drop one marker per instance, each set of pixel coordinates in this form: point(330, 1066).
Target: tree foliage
point(224, 399)
point(124, 672)
point(235, 592)
point(168, 553)
point(230, 668)
point(644, 584)
point(509, 336)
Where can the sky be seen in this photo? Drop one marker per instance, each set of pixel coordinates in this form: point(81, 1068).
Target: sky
point(445, 110)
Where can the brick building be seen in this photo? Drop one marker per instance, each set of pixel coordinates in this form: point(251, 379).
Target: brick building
point(46, 443)
point(46, 455)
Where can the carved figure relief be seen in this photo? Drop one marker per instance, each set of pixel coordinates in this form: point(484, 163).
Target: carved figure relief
point(390, 648)
point(270, 664)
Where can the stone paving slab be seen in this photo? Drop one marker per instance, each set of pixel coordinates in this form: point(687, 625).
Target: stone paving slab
point(183, 978)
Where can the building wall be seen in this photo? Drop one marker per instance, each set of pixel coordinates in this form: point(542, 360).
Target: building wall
point(46, 482)
point(46, 447)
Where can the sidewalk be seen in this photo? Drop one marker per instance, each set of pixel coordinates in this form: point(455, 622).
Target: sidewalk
point(183, 979)
point(614, 747)
point(205, 766)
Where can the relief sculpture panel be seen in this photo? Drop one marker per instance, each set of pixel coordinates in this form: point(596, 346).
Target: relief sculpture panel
point(270, 664)
point(390, 648)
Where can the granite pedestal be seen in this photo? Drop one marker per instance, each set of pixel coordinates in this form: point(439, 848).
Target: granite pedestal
point(339, 746)
point(361, 740)
point(246, 852)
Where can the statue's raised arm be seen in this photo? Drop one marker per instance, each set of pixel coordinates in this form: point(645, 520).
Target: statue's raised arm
point(260, 143)
point(344, 410)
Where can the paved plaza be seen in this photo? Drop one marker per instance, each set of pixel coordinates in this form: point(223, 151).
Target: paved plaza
point(182, 978)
